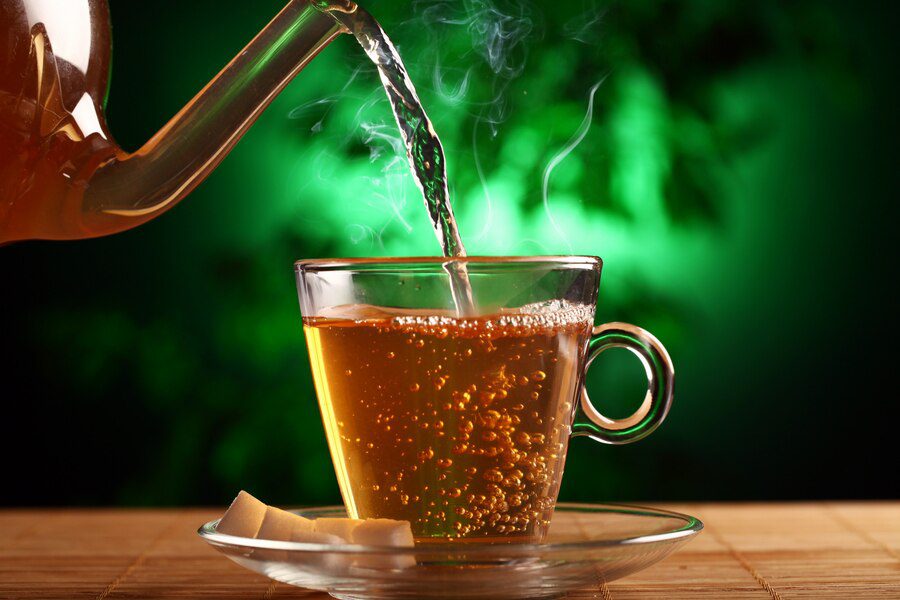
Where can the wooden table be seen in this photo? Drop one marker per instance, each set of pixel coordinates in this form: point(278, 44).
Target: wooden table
point(839, 550)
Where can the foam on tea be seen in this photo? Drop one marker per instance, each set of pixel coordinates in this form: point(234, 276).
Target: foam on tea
point(457, 425)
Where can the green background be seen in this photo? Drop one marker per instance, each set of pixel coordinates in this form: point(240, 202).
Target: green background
point(738, 179)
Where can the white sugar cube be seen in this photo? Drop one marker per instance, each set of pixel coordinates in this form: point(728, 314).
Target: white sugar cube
point(343, 528)
point(331, 562)
point(244, 517)
point(280, 524)
point(302, 525)
point(310, 536)
point(248, 517)
point(384, 532)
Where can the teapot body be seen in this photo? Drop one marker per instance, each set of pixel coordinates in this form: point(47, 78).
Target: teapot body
point(61, 174)
point(53, 81)
point(76, 47)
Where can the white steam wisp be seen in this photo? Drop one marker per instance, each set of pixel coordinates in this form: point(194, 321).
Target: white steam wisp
point(560, 156)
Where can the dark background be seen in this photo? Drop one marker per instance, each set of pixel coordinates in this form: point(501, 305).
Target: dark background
point(739, 180)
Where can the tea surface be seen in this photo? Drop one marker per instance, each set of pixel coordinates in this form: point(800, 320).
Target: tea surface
point(458, 425)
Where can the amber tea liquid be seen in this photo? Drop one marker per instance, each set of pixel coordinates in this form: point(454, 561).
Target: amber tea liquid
point(458, 425)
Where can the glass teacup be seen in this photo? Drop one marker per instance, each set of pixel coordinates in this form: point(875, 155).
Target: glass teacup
point(460, 424)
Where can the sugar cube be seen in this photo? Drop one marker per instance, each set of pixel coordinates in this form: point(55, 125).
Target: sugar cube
point(384, 532)
point(327, 561)
point(244, 517)
point(343, 527)
point(280, 524)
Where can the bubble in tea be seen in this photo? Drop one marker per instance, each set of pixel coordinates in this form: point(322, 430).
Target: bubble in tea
point(458, 425)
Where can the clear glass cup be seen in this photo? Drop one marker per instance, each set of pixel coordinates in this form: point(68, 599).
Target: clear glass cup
point(460, 424)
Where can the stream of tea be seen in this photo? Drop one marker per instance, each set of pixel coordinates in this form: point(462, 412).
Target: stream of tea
point(423, 148)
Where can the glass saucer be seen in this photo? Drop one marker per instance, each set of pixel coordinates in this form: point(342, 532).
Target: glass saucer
point(588, 544)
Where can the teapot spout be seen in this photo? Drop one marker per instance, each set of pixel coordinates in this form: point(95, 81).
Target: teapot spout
point(131, 189)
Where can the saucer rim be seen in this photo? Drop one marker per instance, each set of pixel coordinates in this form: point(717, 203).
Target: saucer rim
point(691, 527)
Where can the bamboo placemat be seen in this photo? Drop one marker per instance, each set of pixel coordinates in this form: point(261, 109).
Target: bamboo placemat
point(780, 551)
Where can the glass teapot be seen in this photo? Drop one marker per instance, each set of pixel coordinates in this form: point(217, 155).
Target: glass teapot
point(62, 176)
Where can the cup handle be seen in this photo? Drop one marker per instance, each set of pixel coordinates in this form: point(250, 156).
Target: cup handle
point(660, 382)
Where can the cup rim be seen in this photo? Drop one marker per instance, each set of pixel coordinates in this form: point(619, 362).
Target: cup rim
point(379, 263)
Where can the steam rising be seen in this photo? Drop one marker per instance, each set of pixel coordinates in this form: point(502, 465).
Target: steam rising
point(499, 32)
point(328, 101)
point(386, 152)
point(560, 156)
point(489, 218)
point(395, 171)
point(454, 96)
point(477, 49)
point(586, 27)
